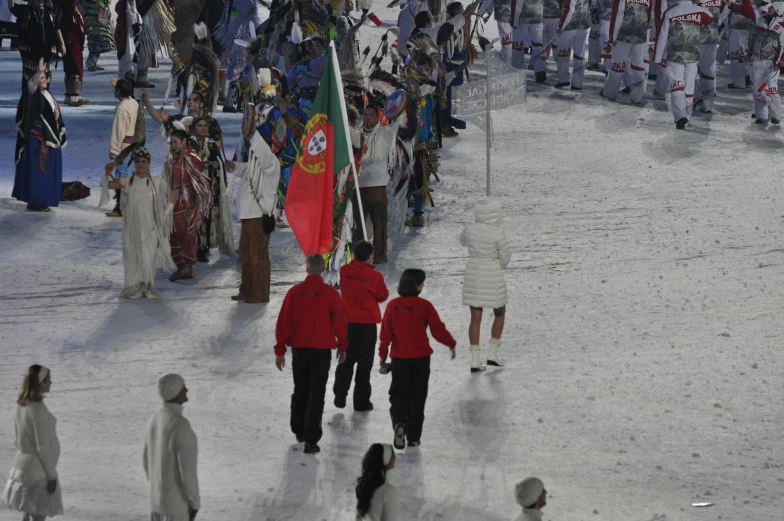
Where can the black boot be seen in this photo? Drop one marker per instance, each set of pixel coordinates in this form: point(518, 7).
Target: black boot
point(541, 77)
point(681, 123)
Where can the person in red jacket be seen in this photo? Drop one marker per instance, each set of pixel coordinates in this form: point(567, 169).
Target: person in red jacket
point(405, 324)
point(312, 321)
point(363, 288)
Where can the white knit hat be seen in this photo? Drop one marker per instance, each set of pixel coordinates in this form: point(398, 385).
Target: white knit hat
point(170, 385)
point(779, 7)
point(528, 491)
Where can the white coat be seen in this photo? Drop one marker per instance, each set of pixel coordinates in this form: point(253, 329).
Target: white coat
point(37, 453)
point(170, 454)
point(384, 504)
point(483, 283)
point(260, 175)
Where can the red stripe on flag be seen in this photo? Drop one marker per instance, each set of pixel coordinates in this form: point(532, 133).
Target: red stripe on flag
point(373, 18)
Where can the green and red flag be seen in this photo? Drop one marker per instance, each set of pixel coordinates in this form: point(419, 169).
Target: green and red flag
point(325, 151)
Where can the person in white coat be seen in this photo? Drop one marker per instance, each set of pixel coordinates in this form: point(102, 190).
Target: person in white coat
point(260, 171)
point(532, 496)
point(483, 283)
point(33, 487)
point(377, 499)
point(170, 456)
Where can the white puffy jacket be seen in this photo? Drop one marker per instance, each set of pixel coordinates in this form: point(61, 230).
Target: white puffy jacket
point(483, 283)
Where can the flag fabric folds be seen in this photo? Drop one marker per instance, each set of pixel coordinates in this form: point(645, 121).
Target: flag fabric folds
point(325, 150)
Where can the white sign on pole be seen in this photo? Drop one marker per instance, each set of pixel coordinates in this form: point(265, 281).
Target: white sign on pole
point(503, 87)
point(471, 99)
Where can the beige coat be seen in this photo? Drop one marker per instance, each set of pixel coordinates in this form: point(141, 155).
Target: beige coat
point(124, 125)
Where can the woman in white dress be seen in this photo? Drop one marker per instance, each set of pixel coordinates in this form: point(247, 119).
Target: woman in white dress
point(33, 487)
point(483, 283)
point(376, 497)
point(146, 206)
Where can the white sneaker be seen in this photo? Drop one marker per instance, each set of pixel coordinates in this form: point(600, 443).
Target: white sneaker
point(476, 361)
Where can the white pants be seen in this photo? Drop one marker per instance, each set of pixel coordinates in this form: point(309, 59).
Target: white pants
point(627, 59)
point(507, 41)
point(681, 77)
point(767, 102)
point(519, 35)
point(549, 39)
point(707, 75)
point(604, 37)
point(569, 41)
point(724, 44)
point(737, 50)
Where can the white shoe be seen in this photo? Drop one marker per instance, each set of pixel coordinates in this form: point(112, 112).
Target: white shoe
point(492, 354)
point(476, 361)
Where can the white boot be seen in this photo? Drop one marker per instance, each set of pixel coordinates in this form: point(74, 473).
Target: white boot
point(492, 354)
point(476, 361)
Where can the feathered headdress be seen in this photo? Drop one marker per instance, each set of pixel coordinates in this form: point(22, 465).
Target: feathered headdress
point(423, 56)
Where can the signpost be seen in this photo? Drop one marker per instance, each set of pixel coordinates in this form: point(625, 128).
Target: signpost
point(503, 87)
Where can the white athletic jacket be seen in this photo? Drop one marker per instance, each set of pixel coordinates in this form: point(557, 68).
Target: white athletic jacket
point(630, 20)
point(170, 454)
point(679, 36)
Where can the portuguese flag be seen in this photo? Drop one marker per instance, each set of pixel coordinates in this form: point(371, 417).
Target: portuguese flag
point(325, 151)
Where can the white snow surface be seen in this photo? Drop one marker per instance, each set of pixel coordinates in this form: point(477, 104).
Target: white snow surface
point(643, 375)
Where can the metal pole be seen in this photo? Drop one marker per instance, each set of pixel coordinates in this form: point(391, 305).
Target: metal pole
point(487, 123)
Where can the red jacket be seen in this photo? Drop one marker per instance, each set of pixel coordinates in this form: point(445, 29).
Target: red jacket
point(405, 326)
point(362, 288)
point(312, 315)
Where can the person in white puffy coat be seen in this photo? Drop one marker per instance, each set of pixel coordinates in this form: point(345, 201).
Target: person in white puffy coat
point(483, 283)
point(33, 488)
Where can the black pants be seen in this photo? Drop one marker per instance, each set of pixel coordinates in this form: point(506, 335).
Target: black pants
point(361, 346)
point(408, 394)
point(311, 372)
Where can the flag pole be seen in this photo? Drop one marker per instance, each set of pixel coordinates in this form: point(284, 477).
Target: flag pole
point(336, 67)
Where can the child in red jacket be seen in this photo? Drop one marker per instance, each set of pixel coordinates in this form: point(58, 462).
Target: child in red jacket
point(362, 289)
point(405, 324)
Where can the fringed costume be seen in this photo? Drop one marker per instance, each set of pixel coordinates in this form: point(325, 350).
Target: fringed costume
point(100, 31)
point(186, 177)
point(216, 231)
point(147, 224)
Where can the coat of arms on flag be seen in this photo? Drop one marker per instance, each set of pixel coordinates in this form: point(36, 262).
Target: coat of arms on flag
point(314, 157)
point(318, 143)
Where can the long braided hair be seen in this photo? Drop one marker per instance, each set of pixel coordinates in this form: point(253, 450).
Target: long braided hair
point(374, 474)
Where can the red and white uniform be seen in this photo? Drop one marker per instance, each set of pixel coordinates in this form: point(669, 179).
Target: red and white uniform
point(678, 45)
point(766, 51)
point(709, 44)
point(576, 24)
point(629, 39)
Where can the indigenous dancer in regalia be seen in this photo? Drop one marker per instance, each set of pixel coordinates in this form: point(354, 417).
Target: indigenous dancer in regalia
point(259, 170)
point(39, 37)
point(147, 204)
point(185, 174)
point(216, 229)
point(100, 31)
point(40, 137)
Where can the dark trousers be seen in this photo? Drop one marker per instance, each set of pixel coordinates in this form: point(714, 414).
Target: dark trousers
point(311, 372)
point(361, 347)
point(408, 394)
point(374, 203)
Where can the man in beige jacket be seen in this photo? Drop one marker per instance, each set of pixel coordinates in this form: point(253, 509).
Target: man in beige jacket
point(170, 456)
point(123, 129)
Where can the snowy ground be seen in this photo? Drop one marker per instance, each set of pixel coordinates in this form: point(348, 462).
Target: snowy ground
point(642, 374)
